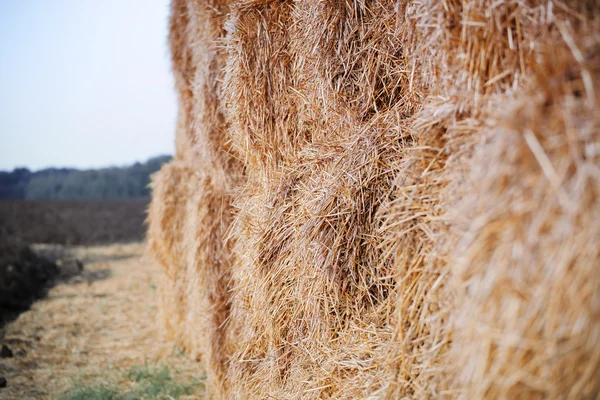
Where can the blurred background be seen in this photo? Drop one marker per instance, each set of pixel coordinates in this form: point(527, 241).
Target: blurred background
point(87, 113)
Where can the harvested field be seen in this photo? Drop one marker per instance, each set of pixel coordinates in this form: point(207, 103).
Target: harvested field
point(382, 199)
point(92, 330)
point(25, 273)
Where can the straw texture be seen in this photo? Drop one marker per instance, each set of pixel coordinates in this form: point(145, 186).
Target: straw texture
point(384, 199)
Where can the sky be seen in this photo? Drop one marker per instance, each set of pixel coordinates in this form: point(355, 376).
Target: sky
point(84, 83)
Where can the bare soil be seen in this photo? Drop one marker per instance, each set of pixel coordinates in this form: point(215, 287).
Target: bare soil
point(89, 222)
point(24, 277)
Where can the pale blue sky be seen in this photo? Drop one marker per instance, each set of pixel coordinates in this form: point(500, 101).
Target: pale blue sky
point(84, 83)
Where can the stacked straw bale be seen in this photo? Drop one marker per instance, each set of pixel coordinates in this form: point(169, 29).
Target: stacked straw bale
point(385, 199)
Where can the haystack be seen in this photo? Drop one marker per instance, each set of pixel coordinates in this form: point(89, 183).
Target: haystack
point(382, 199)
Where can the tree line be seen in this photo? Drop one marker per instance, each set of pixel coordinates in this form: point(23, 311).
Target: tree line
point(74, 184)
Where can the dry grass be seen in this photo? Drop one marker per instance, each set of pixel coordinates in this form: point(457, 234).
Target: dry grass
point(92, 332)
point(381, 199)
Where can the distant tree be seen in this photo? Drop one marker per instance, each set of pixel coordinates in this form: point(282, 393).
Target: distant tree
point(72, 184)
point(14, 184)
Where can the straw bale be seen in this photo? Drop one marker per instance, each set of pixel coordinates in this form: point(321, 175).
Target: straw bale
point(311, 299)
point(191, 206)
point(165, 240)
point(382, 199)
point(526, 267)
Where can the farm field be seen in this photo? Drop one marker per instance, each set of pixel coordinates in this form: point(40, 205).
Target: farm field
point(96, 335)
point(73, 222)
point(25, 274)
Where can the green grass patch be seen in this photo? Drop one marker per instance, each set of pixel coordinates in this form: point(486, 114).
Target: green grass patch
point(97, 391)
point(141, 382)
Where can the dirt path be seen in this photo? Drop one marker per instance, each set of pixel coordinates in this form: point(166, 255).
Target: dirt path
point(93, 329)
